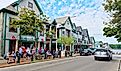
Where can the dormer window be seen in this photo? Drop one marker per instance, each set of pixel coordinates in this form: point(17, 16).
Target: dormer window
point(30, 5)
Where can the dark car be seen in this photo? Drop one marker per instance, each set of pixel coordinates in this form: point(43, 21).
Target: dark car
point(85, 51)
point(92, 50)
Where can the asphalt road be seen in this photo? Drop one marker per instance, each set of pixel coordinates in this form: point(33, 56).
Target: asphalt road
point(83, 63)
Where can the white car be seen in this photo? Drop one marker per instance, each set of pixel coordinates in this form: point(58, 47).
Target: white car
point(103, 54)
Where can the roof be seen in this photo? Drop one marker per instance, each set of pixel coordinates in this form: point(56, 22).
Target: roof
point(79, 27)
point(61, 20)
point(85, 32)
point(92, 39)
point(6, 3)
point(11, 8)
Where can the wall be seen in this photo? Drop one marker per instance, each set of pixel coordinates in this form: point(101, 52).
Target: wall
point(24, 4)
point(1, 26)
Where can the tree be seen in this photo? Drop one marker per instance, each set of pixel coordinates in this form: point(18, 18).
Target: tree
point(67, 41)
point(29, 23)
point(115, 46)
point(113, 27)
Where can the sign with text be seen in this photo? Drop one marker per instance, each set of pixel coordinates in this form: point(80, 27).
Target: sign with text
point(28, 38)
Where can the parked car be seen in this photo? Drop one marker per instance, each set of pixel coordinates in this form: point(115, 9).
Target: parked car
point(83, 52)
point(103, 54)
point(92, 50)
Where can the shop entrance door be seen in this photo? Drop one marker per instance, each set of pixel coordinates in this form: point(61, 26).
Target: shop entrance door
point(12, 45)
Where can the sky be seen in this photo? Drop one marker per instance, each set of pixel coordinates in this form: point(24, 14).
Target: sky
point(86, 13)
point(5, 3)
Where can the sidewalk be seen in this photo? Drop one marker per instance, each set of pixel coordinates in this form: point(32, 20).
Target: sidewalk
point(4, 64)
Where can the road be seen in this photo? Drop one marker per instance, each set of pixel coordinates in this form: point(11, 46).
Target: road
point(83, 63)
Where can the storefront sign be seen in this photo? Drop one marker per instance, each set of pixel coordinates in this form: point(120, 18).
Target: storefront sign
point(12, 36)
point(28, 38)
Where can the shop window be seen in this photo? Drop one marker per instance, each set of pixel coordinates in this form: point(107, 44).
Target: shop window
point(11, 28)
point(30, 5)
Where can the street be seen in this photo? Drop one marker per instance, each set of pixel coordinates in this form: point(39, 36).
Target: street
point(83, 63)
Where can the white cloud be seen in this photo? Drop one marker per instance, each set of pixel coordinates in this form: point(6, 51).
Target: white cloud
point(94, 24)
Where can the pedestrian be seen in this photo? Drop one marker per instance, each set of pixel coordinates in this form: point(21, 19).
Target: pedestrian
point(14, 56)
point(33, 53)
point(45, 50)
point(18, 55)
point(28, 53)
point(48, 54)
point(20, 52)
point(53, 53)
point(39, 51)
point(59, 53)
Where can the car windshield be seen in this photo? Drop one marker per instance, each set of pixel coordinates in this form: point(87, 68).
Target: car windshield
point(101, 50)
point(92, 48)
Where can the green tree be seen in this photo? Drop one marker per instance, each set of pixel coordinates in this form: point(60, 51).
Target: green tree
point(29, 22)
point(67, 41)
point(115, 46)
point(113, 27)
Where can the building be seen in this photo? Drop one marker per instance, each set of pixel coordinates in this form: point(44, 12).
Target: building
point(74, 34)
point(51, 35)
point(65, 27)
point(98, 44)
point(85, 38)
point(92, 42)
point(79, 37)
point(10, 38)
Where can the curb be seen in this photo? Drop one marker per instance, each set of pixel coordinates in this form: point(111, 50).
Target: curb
point(39, 61)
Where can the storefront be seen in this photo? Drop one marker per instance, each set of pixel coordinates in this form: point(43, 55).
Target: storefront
point(53, 46)
point(11, 42)
point(27, 41)
point(41, 42)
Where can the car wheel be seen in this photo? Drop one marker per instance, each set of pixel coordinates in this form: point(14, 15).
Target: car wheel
point(96, 58)
point(108, 58)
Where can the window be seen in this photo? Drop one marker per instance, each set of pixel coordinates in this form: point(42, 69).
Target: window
point(63, 32)
point(80, 33)
point(12, 29)
point(30, 5)
point(41, 33)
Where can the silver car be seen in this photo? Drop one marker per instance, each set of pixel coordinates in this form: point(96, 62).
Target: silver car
point(103, 54)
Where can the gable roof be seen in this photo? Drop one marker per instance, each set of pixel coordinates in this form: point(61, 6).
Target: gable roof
point(92, 39)
point(78, 28)
point(61, 20)
point(11, 8)
point(85, 32)
point(15, 2)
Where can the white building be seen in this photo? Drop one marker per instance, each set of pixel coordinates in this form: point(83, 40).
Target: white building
point(9, 36)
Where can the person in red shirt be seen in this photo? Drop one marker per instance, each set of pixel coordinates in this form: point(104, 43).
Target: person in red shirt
point(24, 51)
